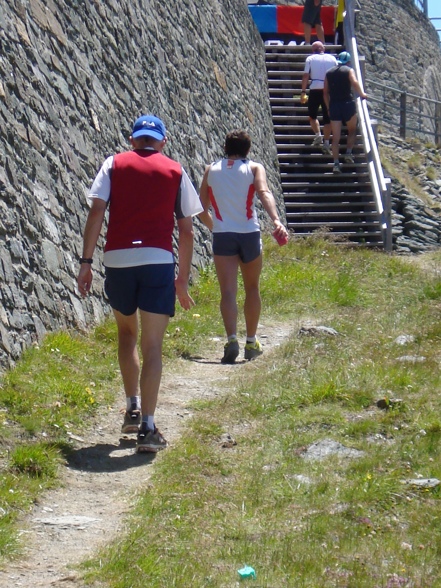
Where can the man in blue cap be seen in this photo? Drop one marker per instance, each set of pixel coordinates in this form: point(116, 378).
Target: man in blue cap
point(146, 191)
point(337, 93)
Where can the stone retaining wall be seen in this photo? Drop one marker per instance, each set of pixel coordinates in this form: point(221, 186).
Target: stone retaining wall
point(73, 77)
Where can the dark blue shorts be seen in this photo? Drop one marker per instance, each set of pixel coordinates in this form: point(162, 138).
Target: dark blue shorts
point(148, 287)
point(248, 246)
point(342, 111)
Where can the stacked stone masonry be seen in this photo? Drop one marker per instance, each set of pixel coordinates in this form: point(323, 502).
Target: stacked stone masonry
point(73, 77)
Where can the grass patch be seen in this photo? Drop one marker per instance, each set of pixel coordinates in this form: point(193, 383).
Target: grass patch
point(340, 521)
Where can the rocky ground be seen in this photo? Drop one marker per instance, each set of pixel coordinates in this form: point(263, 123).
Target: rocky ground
point(104, 474)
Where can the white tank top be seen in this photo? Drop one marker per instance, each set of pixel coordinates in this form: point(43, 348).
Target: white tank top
point(232, 196)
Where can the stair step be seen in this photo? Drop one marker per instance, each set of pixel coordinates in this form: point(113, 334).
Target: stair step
point(317, 192)
point(333, 214)
point(314, 197)
point(341, 208)
point(349, 228)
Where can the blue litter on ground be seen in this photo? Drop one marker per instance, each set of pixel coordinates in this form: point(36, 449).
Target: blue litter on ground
point(247, 572)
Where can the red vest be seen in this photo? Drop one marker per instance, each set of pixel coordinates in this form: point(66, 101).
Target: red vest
point(144, 188)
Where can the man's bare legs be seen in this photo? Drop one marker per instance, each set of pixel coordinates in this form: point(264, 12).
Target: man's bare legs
point(307, 28)
point(252, 306)
point(307, 33)
point(227, 273)
point(128, 358)
point(351, 126)
point(315, 125)
point(320, 33)
point(227, 270)
point(326, 132)
point(352, 132)
point(336, 134)
point(143, 381)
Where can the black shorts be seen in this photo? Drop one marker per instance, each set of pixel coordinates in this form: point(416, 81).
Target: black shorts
point(342, 111)
point(311, 13)
point(315, 101)
point(148, 287)
point(248, 246)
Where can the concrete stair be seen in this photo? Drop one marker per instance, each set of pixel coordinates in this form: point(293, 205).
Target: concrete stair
point(315, 198)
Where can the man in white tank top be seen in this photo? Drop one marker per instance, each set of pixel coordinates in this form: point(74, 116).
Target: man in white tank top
point(228, 195)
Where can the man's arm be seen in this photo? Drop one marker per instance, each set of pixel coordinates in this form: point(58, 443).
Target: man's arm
point(267, 199)
point(356, 85)
point(305, 78)
point(205, 216)
point(185, 255)
point(92, 231)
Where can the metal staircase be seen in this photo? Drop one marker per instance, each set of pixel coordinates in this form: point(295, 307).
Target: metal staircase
point(342, 205)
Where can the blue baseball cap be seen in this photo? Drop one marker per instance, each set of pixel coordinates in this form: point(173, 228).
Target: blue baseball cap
point(344, 57)
point(149, 126)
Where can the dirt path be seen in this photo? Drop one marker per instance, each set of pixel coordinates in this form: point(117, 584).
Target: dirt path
point(71, 523)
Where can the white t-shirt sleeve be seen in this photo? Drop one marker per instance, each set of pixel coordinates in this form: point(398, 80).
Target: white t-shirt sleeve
point(101, 184)
point(190, 203)
point(307, 67)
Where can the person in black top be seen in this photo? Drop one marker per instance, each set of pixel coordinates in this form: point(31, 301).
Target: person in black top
point(337, 93)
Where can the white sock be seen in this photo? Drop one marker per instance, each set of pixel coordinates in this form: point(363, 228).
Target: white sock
point(232, 337)
point(133, 402)
point(149, 421)
point(251, 340)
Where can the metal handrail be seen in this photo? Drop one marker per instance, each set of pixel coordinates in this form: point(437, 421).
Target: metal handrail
point(423, 5)
point(381, 187)
point(409, 112)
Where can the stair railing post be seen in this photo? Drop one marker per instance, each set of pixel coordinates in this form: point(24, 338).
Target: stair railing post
point(403, 115)
point(387, 205)
point(438, 123)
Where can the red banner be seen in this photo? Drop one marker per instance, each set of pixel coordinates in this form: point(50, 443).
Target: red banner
point(289, 19)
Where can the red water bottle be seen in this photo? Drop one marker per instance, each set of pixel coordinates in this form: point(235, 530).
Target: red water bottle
point(281, 239)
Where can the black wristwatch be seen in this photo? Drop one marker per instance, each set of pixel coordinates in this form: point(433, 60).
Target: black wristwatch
point(86, 260)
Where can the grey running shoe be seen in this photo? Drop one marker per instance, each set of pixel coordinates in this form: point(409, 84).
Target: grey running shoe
point(326, 149)
point(253, 350)
point(231, 351)
point(149, 441)
point(318, 141)
point(336, 169)
point(348, 158)
point(132, 420)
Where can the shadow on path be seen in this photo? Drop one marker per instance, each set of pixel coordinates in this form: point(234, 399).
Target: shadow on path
point(104, 457)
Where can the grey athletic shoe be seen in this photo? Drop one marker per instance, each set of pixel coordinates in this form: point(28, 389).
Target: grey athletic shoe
point(336, 168)
point(348, 158)
point(326, 149)
point(132, 420)
point(253, 350)
point(318, 141)
point(231, 351)
point(149, 441)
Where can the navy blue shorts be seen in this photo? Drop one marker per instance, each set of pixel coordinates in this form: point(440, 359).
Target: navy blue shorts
point(342, 111)
point(248, 246)
point(148, 287)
